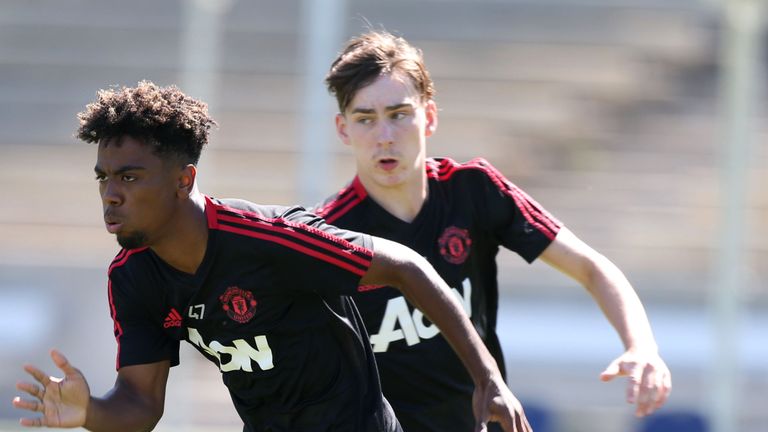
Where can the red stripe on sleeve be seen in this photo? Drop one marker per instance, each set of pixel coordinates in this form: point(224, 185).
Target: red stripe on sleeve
point(117, 328)
point(210, 213)
point(299, 226)
point(292, 233)
point(343, 210)
point(342, 198)
point(120, 259)
point(364, 288)
point(531, 210)
point(335, 209)
point(297, 247)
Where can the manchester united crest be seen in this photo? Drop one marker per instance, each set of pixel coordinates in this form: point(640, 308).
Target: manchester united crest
point(239, 304)
point(454, 244)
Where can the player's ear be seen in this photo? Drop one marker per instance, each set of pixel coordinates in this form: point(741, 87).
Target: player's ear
point(341, 128)
point(186, 180)
point(430, 112)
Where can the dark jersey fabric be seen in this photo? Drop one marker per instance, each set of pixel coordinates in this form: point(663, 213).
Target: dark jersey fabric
point(269, 306)
point(471, 210)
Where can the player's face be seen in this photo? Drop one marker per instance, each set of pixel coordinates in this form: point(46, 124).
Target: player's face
point(138, 191)
point(386, 124)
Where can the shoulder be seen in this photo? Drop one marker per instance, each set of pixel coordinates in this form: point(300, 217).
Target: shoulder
point(129, 275)
point(475, 171)
point(340, 203)
point(241, 207)
point(127, 260)
point(237, 211)
point(289, 226)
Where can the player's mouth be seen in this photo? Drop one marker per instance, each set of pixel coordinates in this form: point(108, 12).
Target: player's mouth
point(113, 225)
point(387, 164)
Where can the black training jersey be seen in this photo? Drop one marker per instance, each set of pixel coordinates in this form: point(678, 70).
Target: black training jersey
point(268, 305)
point(471, 209)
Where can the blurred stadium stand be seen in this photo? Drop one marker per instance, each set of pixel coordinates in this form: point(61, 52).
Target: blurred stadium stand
point(605, 111)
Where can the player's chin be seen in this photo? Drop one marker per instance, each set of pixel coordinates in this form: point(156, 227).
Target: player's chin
point(131, 240)
point(389, 179)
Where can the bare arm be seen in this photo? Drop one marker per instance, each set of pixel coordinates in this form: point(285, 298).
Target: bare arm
point(135, 403)
point(398, 266)
point(650, 379)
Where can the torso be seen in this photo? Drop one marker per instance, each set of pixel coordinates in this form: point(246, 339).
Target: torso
point(468, 214)
point(268, 307)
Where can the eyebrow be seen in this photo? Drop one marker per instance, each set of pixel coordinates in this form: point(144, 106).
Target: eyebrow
point(387, 108)
point(121, 170)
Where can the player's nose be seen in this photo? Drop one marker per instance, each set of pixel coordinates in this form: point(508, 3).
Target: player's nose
point(385, 134)
point(110, 194)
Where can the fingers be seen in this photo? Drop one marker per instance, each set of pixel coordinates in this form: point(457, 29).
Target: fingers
point(38, 375)
point(651, 389)
point(29, 405)
point(521, 422)
point(517, 423)
point(666, 389)
point(32, 389)
point(32, 422)
point(661, 386)
point(62, 363)
point(621, 367)
point(612, 371)
point(509, 413)
point(483, 414)
point(635, 375)
point(646, 394)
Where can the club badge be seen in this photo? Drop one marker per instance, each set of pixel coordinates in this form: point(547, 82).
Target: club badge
point(454, 245)
point(239, 304)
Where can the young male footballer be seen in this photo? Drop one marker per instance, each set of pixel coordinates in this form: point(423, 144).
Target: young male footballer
point(457, 215)
point(261, 291)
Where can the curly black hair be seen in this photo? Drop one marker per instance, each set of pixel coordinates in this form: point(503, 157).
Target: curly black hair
point(175, 124)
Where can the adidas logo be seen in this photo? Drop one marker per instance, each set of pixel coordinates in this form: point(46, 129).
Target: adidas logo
point(172, 320)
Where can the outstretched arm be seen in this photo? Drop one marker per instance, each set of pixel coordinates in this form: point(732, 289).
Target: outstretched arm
point(135, 403)
point(398, 266)
point(650, 381)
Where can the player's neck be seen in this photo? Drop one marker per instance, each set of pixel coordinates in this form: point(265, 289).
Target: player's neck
point(403, 201)
point(184, 246)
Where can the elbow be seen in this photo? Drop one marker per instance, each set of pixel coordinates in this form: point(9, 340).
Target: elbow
point(395, 265)
point(151, 412)
point(154, 412)
point(154, 419)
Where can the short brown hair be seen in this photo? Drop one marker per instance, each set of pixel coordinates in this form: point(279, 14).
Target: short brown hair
point(370, 55)
point(173, 123)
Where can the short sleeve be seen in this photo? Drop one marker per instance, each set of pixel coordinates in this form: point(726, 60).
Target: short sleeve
point(140, 338)
point(515, 219)
point(320, 257)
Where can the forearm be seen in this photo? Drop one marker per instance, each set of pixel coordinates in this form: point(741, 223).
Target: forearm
point(621, 305)
point(607, 285)
point(426, 290)
point(120, 411)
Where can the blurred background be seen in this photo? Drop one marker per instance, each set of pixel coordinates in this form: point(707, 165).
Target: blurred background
point(639, 123)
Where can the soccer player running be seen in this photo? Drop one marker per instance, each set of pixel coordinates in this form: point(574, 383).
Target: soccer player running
point(261, 291)
point(456, 215)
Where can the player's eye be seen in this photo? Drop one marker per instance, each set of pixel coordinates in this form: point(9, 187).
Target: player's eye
point(364, 120)
point(101, 178)
point(128, 178)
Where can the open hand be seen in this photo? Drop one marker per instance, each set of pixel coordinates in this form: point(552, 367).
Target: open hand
point(650, 381)
point(62, 401)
